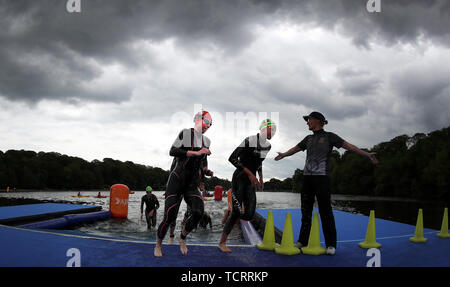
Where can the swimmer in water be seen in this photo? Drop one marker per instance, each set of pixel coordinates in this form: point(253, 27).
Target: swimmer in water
point(151, 205)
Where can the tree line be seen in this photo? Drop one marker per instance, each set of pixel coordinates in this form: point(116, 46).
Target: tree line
point(409, 167)
point(23, 169)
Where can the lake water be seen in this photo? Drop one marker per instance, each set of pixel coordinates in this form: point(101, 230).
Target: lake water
point(133, 227)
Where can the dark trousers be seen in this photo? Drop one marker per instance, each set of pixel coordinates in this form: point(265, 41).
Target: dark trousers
point(317, 186)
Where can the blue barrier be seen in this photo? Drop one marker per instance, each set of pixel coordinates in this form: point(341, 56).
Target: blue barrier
point(68, 220)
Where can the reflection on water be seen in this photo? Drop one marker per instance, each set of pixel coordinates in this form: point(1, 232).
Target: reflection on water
point(133, 227)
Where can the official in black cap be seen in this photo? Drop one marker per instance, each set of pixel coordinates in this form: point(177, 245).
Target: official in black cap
point(316, 180)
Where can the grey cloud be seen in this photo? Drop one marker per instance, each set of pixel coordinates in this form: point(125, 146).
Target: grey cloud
point(424, 95)
point(400, 21)
point(357, 82)
point(104, 31)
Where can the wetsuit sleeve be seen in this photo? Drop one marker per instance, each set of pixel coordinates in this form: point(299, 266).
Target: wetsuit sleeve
point(156, 202)
point(142, 204)
point(234, 157)
point(335, 140)
point(302, 144)
point(204, 164)
point(260, 167)
point(177, 147)
point(262, 159)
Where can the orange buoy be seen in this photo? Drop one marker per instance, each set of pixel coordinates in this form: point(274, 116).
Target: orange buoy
point(218, 193)
point(118, 200)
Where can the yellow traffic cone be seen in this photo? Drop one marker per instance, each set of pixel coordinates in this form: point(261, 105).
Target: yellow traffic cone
point(444, 227)
point(418, 235)
point(268, 242)
point(314, 247)
point(370, 241)
point(287, 241)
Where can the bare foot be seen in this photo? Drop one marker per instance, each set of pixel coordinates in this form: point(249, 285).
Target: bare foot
point(223, 247)
point(183, 247)
point(157, 252)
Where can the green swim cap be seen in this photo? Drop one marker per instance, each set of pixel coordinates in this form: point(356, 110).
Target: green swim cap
point(266, 123)
point(149, 188)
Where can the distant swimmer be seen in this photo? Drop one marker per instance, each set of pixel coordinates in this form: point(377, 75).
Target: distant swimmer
point(151, 205)
point(190, 151)
point(247, 158)
point(316, 181)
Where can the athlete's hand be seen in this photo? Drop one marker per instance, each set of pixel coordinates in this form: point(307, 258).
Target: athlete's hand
point(204, 151)
point(209, 173)
point(254, 181)
point(261, 182)
point(279, 156)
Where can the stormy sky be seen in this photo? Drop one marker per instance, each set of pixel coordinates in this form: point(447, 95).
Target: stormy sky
point(120, 79)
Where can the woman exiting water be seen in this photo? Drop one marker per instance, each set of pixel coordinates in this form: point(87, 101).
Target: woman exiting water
point(190, 151)
point(247, 158)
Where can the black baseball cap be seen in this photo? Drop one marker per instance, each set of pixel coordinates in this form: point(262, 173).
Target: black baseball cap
point(316, 115)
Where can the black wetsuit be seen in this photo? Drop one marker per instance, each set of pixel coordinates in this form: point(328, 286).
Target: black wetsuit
point(250, 154)
point(184, 178)
point(151, 203)
point(316, 183)
point(204, 220)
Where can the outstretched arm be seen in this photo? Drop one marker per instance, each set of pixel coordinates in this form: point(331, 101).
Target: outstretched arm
point(290, 152)
point(355, 149)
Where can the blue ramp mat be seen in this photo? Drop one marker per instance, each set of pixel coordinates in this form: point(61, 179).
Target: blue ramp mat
point(27, 248)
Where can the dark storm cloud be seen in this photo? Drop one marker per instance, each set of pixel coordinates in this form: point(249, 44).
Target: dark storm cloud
point(424, 95)
point(47, 52)
point(400, 21)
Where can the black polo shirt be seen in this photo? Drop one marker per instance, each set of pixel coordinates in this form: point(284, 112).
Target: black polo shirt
point(318, 148)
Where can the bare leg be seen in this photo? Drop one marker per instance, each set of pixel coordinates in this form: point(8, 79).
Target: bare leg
point(222, 244)
point(183, 247)
point(226, 214)
point(157, 252)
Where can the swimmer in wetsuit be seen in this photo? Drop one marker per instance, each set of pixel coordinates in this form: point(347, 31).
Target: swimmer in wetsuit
point(247, 158)
point(151, 205)
point(190, 151)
